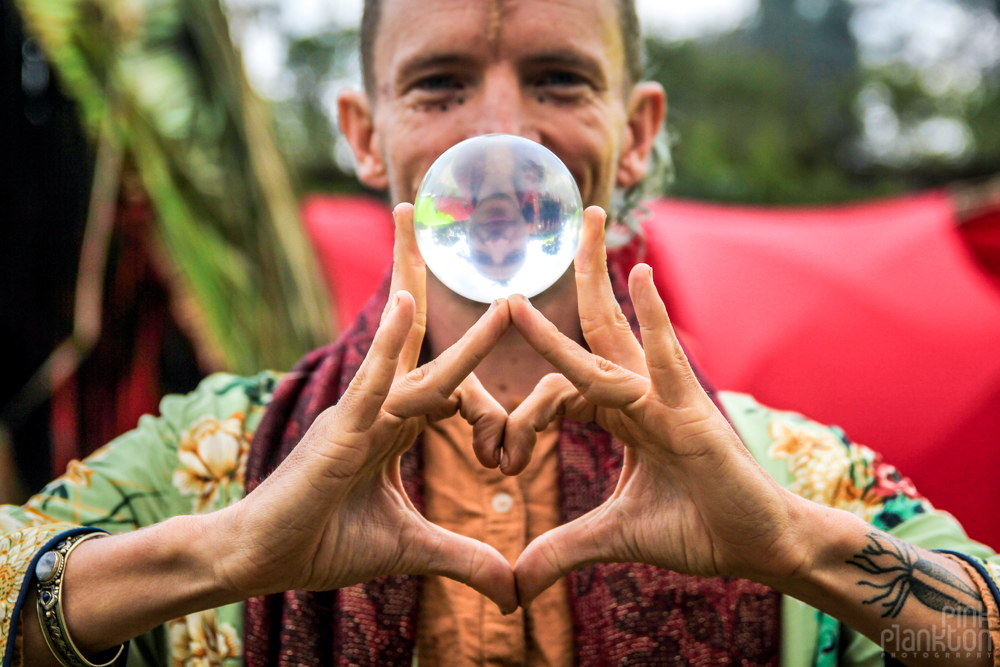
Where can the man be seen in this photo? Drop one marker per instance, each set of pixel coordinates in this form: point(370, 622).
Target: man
point(676, 538)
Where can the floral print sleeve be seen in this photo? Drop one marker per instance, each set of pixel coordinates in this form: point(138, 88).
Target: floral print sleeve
point(189, 460)
point(822, 464)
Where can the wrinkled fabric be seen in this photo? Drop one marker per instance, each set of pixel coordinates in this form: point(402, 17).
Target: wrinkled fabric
point(458, 625)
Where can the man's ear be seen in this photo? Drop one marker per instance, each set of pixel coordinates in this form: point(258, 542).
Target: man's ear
point(647, 107)
point(356, 124)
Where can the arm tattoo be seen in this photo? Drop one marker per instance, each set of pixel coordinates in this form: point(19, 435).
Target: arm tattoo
point(906, 573)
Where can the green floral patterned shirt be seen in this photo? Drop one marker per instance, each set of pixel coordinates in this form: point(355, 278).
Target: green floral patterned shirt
point(192, 460)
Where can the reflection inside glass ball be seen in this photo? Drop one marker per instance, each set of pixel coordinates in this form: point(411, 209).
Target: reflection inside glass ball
point(498, 215)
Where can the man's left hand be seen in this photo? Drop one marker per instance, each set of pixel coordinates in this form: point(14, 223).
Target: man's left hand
point(691, 497)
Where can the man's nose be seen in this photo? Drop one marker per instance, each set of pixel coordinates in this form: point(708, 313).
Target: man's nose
point(504, 108)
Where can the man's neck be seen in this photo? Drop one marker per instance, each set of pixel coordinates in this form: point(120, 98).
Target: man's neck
point(513, 368)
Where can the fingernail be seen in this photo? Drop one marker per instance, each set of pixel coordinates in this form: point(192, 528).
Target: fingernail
point(493, 306)
point(395, 301)
point(504, 462)
point(650, 272)
point(496, 454)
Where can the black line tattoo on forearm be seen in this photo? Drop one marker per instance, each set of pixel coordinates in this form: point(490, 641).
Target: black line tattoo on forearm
point(906, 574)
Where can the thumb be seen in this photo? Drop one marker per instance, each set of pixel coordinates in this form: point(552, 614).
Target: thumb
point(473, 563)
point(560, 551)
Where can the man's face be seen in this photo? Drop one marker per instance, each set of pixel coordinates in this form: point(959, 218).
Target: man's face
point(549, 70)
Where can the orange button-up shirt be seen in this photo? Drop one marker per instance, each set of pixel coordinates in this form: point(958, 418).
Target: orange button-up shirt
point(458, 626)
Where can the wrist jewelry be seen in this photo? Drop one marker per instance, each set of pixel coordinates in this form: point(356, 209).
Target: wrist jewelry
point(49, 573)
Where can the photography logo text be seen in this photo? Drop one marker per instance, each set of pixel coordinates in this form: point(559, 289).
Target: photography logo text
point(958, 635)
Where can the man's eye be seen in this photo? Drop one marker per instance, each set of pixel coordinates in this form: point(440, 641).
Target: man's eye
point(558, 78)
point(438, 82)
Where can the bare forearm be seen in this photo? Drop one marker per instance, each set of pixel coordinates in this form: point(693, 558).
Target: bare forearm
point(919, 605)
point(119, 587)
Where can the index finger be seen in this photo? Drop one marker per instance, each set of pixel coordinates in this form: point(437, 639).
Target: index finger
point(361, 403)
point(599, 380)
point(427, 387)
point(409, 273)
point(554, 396)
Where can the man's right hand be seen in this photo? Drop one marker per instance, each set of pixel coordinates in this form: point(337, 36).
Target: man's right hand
point(335, 513)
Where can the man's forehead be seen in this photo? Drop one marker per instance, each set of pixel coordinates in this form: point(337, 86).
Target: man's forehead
point(495, 28)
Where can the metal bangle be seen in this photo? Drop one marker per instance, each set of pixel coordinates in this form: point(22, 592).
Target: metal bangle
point(50, 608)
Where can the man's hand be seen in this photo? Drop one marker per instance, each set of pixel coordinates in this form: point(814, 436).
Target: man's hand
point(335, 513)
point(690, 498)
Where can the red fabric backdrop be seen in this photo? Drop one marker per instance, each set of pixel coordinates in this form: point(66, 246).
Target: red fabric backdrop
point(353, 240)
point(882, 318)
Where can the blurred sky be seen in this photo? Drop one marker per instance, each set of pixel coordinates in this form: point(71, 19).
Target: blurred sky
point(949, 46)
point(262, 37)
point(679, 19)
point(953, 43)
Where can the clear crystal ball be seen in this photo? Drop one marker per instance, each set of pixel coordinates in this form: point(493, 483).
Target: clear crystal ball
point(498, 215)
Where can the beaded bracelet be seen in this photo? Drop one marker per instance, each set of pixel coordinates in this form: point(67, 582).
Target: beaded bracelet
point(49, 573)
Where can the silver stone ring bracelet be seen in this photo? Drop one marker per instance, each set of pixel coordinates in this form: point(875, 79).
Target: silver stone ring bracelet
point(49, 574)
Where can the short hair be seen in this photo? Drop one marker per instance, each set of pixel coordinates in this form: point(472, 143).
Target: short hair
point(628, 23)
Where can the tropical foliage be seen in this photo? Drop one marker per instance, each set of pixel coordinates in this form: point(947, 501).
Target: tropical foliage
point(160, 81)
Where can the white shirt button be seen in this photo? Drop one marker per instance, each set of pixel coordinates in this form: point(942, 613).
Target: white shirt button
point(502, 502)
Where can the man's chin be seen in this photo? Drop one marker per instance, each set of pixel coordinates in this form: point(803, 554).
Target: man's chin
point(555, 292)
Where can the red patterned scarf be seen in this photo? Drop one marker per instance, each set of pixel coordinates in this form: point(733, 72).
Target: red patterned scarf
point(623, 614)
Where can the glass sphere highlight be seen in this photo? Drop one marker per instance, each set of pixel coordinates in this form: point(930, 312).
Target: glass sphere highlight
point(498, 215)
